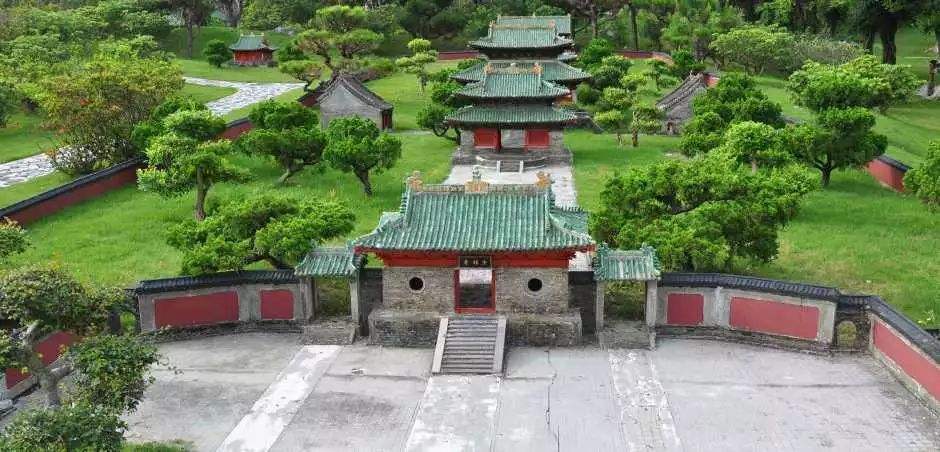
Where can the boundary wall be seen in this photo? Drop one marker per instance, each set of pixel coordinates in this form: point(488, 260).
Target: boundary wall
point(888, 171)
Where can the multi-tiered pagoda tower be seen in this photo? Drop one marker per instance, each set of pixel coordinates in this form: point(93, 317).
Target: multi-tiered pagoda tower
point(517, 93)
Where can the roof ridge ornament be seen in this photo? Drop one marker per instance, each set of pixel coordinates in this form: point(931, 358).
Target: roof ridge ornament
point(414, 181)
point(543, 180)
point(476, 184)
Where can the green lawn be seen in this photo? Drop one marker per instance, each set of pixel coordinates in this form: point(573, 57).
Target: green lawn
point(909, 126)
point(23, 136)
point(205, 94)
point(915, 48)
point(403, 91)
point(259, 74)
point(176, 41)
point(119, 238)
point(288, 96)
point(32, 187)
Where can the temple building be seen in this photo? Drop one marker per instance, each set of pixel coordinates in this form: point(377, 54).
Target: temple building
point(252, 50)
point(515, 117)
point(471, 267)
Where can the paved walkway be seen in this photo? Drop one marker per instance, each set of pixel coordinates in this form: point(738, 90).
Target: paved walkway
point(260, 392)
point(562, 186)
point(248, 94)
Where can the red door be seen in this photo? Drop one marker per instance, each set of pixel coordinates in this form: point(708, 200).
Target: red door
point(486, 138)
point(537, 139)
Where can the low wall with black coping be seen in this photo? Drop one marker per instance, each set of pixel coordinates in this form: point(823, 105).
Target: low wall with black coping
point(795, 315)
point(888, 171)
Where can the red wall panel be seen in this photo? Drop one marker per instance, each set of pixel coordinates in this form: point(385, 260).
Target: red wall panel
point(50, 348)
point(921, 369)
point(196, 309)
point(237, 130)
point(685, 309)
point(486, 138)
point(774, 317)
point(886, 174)
point(277, 304)
point(88, 191)
point(537, 138)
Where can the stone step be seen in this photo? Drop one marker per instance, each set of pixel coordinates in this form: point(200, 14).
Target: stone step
point(470, 345)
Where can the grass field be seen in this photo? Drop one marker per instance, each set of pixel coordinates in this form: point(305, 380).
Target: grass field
point(205, 94)
point(23, 136)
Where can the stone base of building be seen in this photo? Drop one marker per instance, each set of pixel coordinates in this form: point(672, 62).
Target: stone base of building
point(329, 331)
point(511, 160)
point(743, 337)
point(400, 328)
point(630, 335)
point(544, 330)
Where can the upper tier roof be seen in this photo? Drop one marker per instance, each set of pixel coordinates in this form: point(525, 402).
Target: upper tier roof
point(552, 70)
point(251, 42)
point(510, 115)
point(354, 86)
point(478, 217)
point(521, 37)
point(562, 23)
point(513, 82)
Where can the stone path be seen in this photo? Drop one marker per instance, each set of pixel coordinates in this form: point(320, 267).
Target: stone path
point(39, 165)
point(562, 186)
point(247, 94)
point(25, 169)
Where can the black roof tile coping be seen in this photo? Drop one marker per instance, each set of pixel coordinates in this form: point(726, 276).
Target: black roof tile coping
point(904, 325)
point(69, 186)
point(752, 283)
point(900, 322)
point(215, 279)
point(892, 162)
point(237, 122)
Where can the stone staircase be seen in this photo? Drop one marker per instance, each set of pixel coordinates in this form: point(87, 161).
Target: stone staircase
point(470, 345)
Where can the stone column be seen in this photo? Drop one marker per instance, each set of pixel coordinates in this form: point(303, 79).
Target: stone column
point(354, 297)
point(600, 292)
point(651, 302)
point(307, 295)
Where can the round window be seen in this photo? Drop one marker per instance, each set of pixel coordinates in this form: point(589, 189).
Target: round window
point(416, 283)
point(535, 284)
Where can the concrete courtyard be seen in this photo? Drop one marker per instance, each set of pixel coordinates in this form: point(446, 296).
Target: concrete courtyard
point(259, 391)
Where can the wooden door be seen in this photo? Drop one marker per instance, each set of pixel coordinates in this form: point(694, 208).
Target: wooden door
point(486, 138)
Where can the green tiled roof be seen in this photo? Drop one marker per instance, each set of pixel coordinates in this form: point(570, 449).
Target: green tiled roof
point(251, 42)
point(506, 84)
point(562, 23)
point(623, 265)
point(520, 37)
point(455, 218)
point(552, 70)
point(510, 114)
point(329, 261)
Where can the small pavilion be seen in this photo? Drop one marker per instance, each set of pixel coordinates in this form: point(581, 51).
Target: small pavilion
point(344, 95)
point(252, 50)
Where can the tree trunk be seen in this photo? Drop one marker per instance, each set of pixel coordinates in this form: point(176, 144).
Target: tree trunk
point(201, 190)
point(826, 176)
point(190, 38)
point(887, 32)
point(932, 77)
point(619, 139)
point(869, 41)
point(753, 166)
point(636, 32)
point(635, 139)
point(592, 16)
point(287, 175)
point(366, 184)
point(936, 38)
point(51, 386)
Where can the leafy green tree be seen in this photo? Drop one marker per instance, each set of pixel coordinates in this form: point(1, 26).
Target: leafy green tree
point(659, 73)
point(306, 70)
point(609, 71)
point(42, 300)
point(96, 106)
point(78, 427)
point(614, 111)
point(862, 82)
point(273, 229)
point(13, 239)
point(753, 47)
point(633, 82)
point(701, 214)
point(217, 52)
point(841, 138)
point(615, 121)
point(884, 18)
point(684, 64)
point(9, 101)
point(113, 371)
point(356, 145)
point(593, 53)
point(193, 13)
point(736, 98)
point(189, 155)
point(755, 144)
point(287, 132)
point(929, 20)
point(924, 180)
point(694, 25)
point(432, 116)
point(153, 127)
point(339, 33)
point(422, 54)
point(644, 119)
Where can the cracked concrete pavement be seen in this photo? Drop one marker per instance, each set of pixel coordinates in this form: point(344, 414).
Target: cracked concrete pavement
point(262, 391)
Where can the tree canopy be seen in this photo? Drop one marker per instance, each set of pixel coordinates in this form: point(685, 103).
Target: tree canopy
point(357, 145)
point(277, 230)
point(924, 180)
point(288, 132)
